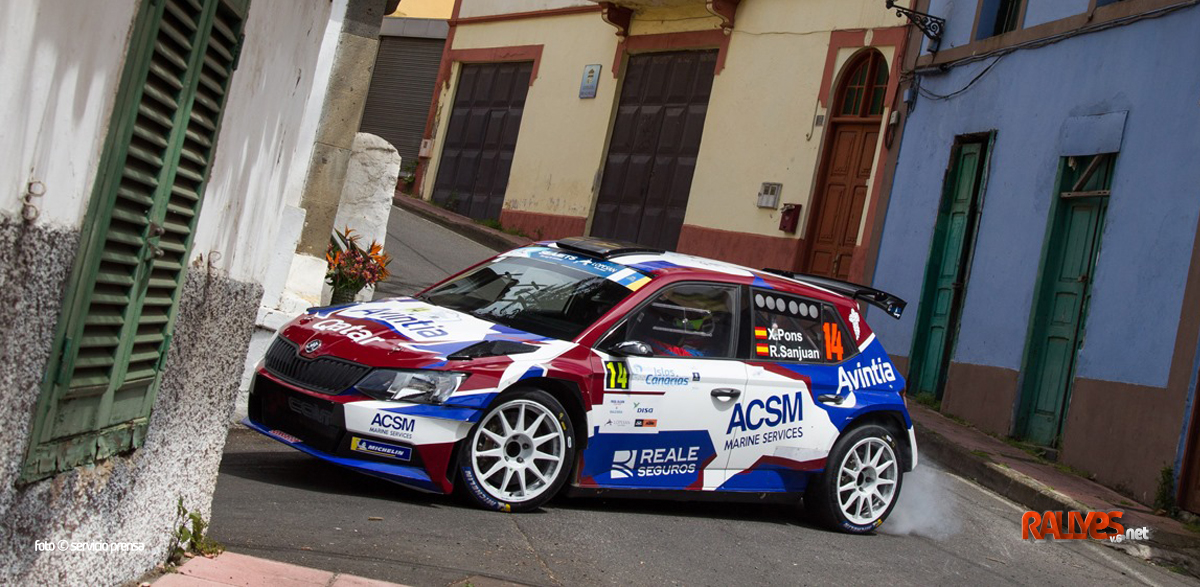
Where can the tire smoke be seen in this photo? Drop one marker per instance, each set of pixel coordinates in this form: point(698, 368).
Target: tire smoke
point(926, 507)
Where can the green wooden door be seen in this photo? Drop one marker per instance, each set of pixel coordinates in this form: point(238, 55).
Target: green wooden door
point(1060, 310)
point(945, 274)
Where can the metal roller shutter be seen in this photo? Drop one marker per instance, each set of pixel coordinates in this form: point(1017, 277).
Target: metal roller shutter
point(401, 90)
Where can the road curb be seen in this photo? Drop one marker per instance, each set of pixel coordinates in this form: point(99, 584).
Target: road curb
point(1015, 486)
point(486, 236)
point(1164, 548)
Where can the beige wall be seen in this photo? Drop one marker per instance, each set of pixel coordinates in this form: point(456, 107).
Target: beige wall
point(489, 7)
point(441, 9)
point(760, 124)
point(562, 138)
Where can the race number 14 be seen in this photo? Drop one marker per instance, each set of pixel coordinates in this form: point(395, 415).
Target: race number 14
point(616, 375)
point(833, 342)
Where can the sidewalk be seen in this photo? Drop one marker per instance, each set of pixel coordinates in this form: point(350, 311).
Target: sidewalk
point(231, 568)
point(479, 233)
point(1040, 486)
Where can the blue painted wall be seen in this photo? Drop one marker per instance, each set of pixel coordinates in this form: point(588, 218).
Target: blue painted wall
point(1147, 241)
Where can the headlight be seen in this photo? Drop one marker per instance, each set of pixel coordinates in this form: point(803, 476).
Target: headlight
point(418, 386)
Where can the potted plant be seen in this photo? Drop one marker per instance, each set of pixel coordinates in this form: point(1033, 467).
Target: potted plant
point(351, 268)
point(408, 176)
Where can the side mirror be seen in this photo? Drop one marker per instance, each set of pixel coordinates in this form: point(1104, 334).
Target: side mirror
point(631, 348)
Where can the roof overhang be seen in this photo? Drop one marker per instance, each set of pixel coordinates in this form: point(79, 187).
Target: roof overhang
point(619, 13)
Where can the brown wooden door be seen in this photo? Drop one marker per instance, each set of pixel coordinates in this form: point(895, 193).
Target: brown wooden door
point(850, 153)
point(478, 149)
point(652, 154)
point(842, 197)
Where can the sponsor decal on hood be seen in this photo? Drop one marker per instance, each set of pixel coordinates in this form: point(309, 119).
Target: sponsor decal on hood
point(410, 320)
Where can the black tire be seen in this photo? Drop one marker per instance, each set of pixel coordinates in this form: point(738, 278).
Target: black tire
point(823, 501)
point(483, 476)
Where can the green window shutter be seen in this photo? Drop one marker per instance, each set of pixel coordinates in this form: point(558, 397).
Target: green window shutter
point(121, 303)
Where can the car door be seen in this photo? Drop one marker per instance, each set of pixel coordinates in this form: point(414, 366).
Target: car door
point(662, 414)
point(780, 431)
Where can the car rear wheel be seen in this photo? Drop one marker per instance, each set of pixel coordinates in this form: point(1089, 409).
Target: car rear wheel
point(519, 454)
point(860, 484)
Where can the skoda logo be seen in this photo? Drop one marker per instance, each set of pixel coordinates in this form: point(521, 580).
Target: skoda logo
point(312, 346)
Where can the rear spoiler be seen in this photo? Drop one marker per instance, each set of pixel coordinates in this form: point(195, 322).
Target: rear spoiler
point(887, 302)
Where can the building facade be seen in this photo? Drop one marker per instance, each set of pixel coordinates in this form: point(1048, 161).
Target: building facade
point(406, 69)
point(752, 131)
point(149, 148)
point(1042, 225)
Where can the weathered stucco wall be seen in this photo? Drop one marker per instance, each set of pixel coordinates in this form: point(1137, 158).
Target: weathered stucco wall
point(266, 136)
point(61, 66)
point(63, 61)
point(123, 499)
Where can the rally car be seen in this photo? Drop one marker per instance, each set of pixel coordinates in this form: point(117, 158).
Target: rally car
point(605, 366)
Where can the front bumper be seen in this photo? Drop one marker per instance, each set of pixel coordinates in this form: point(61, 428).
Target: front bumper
point(407, 475)
point(408, 444)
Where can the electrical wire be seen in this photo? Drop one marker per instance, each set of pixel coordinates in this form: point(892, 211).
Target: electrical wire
point(937, 97)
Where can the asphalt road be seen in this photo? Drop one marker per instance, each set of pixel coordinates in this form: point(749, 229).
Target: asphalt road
point(277, 503)
point(424, 253)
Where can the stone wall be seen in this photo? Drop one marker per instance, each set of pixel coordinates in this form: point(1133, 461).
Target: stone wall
point(130, 498)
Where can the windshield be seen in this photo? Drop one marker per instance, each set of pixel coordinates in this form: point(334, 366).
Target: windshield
point(539, 290)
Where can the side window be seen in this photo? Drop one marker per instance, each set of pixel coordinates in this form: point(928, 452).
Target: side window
point(690, 320)
point(794, 329)
point(839, 343)
point(997, 17)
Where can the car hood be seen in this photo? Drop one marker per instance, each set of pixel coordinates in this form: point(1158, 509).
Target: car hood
point(396, 330)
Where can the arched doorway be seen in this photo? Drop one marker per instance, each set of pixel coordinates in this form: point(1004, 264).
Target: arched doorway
point(849, 154)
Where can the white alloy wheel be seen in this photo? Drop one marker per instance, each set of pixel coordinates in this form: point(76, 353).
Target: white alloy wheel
point(866, 484)
point(518, 451)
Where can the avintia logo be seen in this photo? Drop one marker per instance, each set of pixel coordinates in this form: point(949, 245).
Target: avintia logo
point(877, 372)
point(771, 412)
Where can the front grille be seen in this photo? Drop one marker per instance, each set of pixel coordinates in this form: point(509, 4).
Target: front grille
point(324, 374)
point(316, 422)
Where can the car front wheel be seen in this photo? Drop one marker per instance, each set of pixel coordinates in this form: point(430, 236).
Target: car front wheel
point(519, 454)
point(860, 484)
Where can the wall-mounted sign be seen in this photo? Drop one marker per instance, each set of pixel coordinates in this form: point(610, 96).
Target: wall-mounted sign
point(591, 79)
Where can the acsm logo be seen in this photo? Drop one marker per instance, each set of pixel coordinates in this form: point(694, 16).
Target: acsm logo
point(771, 412)
point(392, 425)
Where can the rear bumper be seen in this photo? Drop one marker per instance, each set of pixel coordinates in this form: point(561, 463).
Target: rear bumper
point(407, 475)
point(912, 443)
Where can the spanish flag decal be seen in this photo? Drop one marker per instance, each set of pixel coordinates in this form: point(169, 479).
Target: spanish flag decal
point(760, 332)
point(763, 349)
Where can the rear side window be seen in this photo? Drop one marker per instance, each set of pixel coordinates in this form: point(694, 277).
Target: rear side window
point(797, 330)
